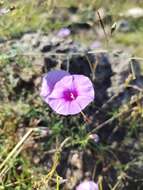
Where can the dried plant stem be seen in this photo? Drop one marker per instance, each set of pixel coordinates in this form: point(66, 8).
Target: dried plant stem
point(90, 65)
point(16, 150)
point(107, 121)
point(14, 183)
point(135, 87)
point(132, 69)
point(58, 182)
point(119, 182)
point(7, 167)
point(102, 25)
point(56, 159)
point(49, 177)
point(83, 53)
point(86, 119)
point(100, 182)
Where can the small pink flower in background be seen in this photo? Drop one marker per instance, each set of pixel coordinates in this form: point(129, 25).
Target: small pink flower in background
point(87, 185)
point(95, 45)
point(64, 32)
point(4, 11)
point(69, 94)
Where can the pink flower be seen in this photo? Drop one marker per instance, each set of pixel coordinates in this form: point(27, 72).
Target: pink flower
point(87, 185)
point(64, 32)
point(95, 45)
point(4, 11)
point(69, 94)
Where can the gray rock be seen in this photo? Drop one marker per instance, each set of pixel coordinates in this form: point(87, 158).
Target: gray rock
point(123, 69)
point(123, 26)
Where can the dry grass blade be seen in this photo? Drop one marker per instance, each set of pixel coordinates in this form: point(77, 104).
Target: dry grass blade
point(15, 150)
point(7, 167)
point(102, 25)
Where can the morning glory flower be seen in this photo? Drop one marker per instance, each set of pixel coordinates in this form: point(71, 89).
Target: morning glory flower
point(64, 32)
point(69, 94)
point(87, 185)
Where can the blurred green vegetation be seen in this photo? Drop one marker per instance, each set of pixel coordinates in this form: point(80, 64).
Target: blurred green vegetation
point(30, 16)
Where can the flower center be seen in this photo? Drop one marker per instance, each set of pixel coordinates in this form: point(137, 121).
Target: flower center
point(70, 95)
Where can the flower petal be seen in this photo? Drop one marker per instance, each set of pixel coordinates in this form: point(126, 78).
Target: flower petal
point(63, 107)
point(49, 81)
point(65, 83)
point(74, 108)
point(84, 86)
point(83, 101)
point(85, 90)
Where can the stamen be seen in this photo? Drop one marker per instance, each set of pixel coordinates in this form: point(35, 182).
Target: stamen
point(70, 95)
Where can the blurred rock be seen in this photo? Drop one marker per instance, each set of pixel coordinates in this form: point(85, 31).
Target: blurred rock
point(123, 26)
point(125, 72)
point(121, 65)
point(30, 40)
